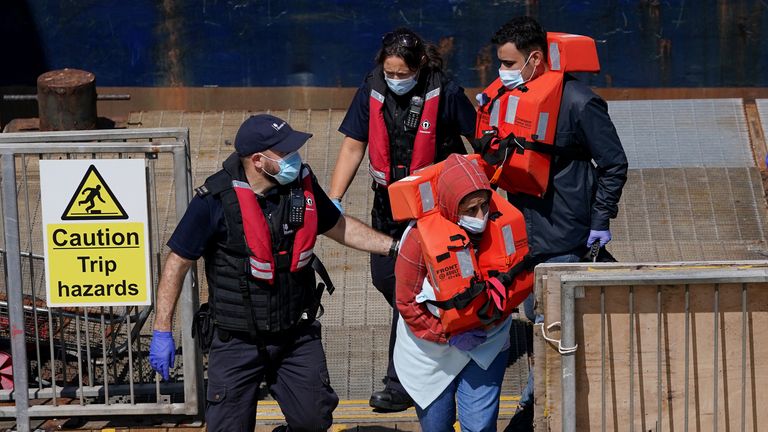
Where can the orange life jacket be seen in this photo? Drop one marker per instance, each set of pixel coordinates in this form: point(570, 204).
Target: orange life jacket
point(455, 271)
point(528, 114)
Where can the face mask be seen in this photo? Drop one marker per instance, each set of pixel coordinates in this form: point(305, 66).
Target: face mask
point(473, 224)
point(289, 168)
point(401, 86)
point(514, 78)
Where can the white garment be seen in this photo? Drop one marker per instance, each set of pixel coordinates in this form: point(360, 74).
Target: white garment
point(426, 368)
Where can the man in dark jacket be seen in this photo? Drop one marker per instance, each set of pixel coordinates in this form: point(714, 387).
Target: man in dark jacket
point(583, 194)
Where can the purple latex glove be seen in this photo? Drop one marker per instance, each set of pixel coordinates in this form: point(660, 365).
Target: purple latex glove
point(162, 352)
point(468, 340)
point(603, 236)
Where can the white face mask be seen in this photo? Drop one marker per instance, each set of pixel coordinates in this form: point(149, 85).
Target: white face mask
point(514, 78)
point(472, 224)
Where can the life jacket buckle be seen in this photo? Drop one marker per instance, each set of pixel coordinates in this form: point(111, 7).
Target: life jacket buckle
point(399, 172)
point(282, 261)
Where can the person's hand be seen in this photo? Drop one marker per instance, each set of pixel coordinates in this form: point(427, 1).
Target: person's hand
point(603, 236)
point(162, 352)
point(468, 340)
point(482, 99)
point(337, 203)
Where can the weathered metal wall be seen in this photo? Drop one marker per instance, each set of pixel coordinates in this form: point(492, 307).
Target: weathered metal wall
point(643, 43)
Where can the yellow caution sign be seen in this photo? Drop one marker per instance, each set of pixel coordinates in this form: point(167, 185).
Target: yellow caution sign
point(95, 232)
point(93, 199)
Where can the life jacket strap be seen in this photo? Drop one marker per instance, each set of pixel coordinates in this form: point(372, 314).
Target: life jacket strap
point(321, 271)
point(496, 150)
point(464, 298)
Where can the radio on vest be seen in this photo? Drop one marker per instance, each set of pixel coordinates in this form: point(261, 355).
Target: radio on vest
point(414, 113)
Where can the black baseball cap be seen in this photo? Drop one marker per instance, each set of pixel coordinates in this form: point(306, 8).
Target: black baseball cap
point(267, 132)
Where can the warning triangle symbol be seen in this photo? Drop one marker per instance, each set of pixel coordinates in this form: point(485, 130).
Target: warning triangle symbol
point(93, 200)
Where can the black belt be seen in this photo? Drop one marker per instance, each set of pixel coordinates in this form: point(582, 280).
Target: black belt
point(263, 338)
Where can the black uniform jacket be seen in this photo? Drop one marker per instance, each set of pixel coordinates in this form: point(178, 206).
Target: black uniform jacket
point(582, 195)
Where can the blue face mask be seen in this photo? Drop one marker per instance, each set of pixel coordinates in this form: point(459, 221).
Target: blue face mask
point(514, 78)
point(289, 168)
point(401, 86)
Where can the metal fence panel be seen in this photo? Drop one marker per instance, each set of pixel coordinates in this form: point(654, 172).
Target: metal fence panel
point(657, 346)
point(90, 361)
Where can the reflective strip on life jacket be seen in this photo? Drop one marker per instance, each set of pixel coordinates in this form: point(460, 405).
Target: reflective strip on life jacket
point(509, 239)
point(427, 197)
point(261, 270)
point(304, 258)
point(379, 177)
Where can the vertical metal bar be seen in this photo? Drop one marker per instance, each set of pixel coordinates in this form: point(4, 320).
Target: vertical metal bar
point(112, 343)
point(568, 339)
point(62, 342)
point(153, 240)
point(51, 333)
point(105, 371)
point(658, 357)
point(715, 372)
point(32, 272)
point(88, 347)
point(743, 357)
point(189, 299)
point(687, 350)
point(79, 360)
point(631, 358)
point(15, 295)
point(157, 261)
point(129, 344)
point(602, 359)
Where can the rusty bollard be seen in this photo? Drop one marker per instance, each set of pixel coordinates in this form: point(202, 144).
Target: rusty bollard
point(66, 100)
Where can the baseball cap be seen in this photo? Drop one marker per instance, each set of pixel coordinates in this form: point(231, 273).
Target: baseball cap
point(267, 132)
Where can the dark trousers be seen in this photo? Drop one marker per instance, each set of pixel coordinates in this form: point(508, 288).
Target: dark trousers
point(383, 276)
point(296, 373)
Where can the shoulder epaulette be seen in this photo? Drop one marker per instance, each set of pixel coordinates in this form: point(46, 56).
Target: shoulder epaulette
point(215, 184)
point(201, 191)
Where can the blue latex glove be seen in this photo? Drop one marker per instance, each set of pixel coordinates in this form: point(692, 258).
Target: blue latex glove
point(468, 340)
point(337, 203)
point(162, 352)
point(603, 236)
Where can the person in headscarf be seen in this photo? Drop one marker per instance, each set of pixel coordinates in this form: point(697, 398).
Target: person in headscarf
point(441, 370)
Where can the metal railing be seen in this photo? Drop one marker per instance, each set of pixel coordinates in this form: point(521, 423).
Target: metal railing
point(662, 297)
point(95, 362)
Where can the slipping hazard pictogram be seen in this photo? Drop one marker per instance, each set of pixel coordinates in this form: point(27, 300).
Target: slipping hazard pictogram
point(93, 200)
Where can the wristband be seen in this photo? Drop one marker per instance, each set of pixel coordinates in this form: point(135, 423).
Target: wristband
point(393, 248)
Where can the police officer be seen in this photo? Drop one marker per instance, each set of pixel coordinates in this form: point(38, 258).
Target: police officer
point(409, 115)
point(583, 194)
point(255, 223)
